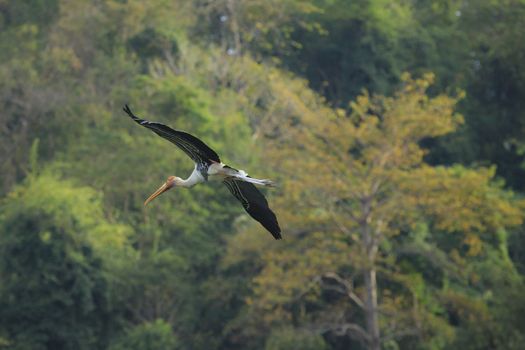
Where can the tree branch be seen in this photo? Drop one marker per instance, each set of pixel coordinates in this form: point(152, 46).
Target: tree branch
point(349, 328)
point(348, 288)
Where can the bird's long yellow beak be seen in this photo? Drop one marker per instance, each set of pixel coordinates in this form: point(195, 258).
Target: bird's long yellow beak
point(166, 186)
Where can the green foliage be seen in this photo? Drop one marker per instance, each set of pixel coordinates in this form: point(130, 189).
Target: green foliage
point(54, 293)
point(259, 26)
point(17, 12)
point(290, 339)
point(155, 335)
point(150, 44)
point(276, 87)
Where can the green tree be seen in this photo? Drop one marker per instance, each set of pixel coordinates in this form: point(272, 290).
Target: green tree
point(54, 291)
point(262, 28)
point(369, 214)
point(155, 335)
point(290, 339)
point(475, 49)
point(495, 110)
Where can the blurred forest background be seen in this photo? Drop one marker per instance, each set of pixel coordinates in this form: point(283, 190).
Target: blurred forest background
point(394, 128)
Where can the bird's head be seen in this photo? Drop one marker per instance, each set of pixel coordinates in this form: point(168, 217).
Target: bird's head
point(171, 182)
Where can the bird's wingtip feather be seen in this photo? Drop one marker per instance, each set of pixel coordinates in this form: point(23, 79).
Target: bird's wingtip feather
point(129, 112)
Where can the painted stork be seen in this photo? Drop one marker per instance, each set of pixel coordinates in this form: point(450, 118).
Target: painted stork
point(209, 165)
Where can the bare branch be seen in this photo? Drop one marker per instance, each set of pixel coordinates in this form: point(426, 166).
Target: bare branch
point(316, 280)
point(352, 329)
point(340, 226)
point(348, 288)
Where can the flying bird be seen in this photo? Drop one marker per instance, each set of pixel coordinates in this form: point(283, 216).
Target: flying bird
point(209, 166)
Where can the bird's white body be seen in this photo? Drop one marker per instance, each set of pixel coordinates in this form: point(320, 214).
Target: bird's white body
point(219, 171)
point(216, 170)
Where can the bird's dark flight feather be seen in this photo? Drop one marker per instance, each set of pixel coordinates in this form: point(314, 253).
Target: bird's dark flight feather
point(197, 150)
point(255, 204)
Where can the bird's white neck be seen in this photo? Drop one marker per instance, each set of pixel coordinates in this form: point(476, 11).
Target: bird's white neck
point(186, 183)
point(194, 179)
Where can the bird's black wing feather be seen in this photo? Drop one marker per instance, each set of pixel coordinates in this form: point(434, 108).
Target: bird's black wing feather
point(255, 204)
point(192, 146)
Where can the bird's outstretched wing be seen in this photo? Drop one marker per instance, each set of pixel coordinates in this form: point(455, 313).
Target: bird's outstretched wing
point(255, 204)
point(197, 150)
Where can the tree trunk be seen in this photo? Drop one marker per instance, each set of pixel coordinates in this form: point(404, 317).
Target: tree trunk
point(372, 324)
point(234, 27)
point(371, 247)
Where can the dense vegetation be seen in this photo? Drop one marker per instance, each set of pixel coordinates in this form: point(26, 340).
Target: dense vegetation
point(395, 130)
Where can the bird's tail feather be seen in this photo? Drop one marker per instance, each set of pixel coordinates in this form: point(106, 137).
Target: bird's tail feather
point(243, 176)
point(262, 182)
